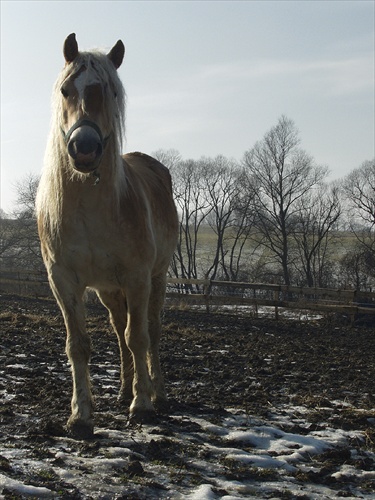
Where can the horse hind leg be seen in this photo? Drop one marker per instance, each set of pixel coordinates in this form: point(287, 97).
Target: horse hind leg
point(115, 302)
point(138, 341)
point(156, 303)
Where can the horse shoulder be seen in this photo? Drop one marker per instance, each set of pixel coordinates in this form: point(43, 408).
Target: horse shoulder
point(156, 183)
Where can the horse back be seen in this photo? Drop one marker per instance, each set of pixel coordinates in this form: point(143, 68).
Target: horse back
point(149, 169)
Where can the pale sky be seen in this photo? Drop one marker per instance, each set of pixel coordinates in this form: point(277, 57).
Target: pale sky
point(205, 77)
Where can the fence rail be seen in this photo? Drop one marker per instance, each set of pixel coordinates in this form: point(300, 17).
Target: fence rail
point(219, 293)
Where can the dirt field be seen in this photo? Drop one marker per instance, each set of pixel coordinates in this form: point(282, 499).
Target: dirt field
point(308, 380)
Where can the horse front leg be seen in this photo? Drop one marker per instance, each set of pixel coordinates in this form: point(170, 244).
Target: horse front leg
point(78, 350)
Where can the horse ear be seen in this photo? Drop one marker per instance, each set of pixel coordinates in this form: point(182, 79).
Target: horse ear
point(70, 48)
point(116, 55)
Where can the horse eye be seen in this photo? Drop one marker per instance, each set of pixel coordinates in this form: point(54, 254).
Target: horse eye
point(64, 92)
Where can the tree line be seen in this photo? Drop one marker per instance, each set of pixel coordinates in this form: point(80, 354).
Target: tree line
point(272, 217)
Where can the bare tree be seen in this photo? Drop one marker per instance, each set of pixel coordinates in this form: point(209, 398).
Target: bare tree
point(318, 214)
point(279, 175)
point(193, 209)
point(223, 179)
point(168, 157)
point(220, 188)
point(20, 241)
point(26, 189)
point(10, 239)
point(356, 269)
point(359, 189)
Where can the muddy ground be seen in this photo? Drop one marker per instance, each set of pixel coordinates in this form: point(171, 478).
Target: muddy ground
point(211, 362)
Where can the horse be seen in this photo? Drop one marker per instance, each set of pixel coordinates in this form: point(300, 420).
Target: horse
point(106, 222)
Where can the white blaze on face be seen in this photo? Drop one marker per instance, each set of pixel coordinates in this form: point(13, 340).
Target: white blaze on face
point(83, 80)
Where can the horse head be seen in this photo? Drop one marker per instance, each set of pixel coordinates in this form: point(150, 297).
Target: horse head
point(85, 128)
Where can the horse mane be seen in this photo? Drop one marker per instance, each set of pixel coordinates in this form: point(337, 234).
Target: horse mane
point(56, 170)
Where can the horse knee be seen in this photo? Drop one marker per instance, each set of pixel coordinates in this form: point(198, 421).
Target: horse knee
point(138, 342)
point(78, 348)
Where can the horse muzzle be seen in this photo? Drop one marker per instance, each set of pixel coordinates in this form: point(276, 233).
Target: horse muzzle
point(85, 145)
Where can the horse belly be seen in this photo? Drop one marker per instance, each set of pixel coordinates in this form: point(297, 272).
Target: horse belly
point(113, 269)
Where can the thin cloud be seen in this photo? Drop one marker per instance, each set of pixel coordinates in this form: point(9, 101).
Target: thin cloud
point(335, 77)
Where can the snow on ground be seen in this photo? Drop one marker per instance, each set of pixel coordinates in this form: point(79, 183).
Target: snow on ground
point(190, 457)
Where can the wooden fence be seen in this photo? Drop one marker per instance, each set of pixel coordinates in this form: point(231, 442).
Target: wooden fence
point(211, 293)
point(218, 293)
point(24, 282)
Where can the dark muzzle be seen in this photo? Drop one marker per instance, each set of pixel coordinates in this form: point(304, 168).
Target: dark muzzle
point(85, 145)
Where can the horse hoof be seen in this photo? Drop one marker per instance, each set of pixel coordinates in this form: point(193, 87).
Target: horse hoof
point(125, 398)
point(142, 417)
point(80, 430)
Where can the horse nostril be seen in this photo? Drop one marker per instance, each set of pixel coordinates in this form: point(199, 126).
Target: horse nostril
point(72, 149)
point(87, 145)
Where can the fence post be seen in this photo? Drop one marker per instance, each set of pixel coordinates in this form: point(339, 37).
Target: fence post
point(353, 315)
point(276, 297)
point(255, 303)
point(206, 293)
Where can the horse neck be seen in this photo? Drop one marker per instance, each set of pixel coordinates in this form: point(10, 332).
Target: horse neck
point(99, 191)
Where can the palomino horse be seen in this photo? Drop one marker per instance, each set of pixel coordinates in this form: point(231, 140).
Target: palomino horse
point(107, 222)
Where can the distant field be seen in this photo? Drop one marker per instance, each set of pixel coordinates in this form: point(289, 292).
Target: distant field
point(340, 244)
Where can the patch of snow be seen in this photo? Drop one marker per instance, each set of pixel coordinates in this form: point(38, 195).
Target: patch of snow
point(24, 489)
point(203, 492)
